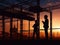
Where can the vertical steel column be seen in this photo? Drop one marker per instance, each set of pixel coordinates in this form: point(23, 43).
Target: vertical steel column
point(3, 32)
point(38, 14)
point(29, 29)
point(21, 29)
point(50, 24)
point(21, 26)
point(17, 28)
point(11, 28)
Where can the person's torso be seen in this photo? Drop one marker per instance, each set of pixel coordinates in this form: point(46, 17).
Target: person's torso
point(46, 23)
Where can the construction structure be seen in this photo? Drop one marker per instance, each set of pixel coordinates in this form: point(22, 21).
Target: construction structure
point(24, 11)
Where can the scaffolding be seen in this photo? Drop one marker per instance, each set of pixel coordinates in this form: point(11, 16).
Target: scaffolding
point(25, 10)
point(12, 14)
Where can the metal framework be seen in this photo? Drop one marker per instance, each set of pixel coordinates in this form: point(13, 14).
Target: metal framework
point(17, 11)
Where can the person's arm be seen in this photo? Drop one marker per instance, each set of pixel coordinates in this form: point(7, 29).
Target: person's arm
point(33, 25)
point(43, 22)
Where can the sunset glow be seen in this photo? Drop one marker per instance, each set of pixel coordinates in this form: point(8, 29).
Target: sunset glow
point(55, 24)
point(17, 18)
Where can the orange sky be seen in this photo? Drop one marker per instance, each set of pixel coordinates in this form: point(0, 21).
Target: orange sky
point(55, 18)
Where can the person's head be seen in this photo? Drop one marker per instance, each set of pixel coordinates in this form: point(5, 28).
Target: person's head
point(45, 16)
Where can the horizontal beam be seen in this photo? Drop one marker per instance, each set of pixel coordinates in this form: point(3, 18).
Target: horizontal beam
point(16, 15)
point(53, 7)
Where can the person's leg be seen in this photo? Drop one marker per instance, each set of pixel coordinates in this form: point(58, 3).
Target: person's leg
point(37, 35)
point(46, 33)
point(33, 34)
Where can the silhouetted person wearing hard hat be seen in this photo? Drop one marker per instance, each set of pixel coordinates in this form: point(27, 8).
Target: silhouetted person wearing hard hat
point(36, 30)
point(46, 25)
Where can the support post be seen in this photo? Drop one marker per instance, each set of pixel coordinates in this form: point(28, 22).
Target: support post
point(21, 26)
point(17, 28)
point(38, 15)
point(11, 28)
point(3, 32)
point(29, 29)
point(21, 29)
point(50, 24)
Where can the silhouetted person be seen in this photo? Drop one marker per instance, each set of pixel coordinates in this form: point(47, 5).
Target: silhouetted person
point(36, 30)
point(46, 25)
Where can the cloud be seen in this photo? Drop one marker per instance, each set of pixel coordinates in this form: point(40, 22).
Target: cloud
point(49, 3)
point(9, 1)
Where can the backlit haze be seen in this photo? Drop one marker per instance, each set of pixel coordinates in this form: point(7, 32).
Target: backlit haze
point(55, 21)
point(43, 3)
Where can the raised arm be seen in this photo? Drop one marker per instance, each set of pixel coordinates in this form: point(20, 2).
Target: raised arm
point(43, 22)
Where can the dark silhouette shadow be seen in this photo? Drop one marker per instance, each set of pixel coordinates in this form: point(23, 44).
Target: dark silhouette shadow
point(36, 30)
point(45, 23)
